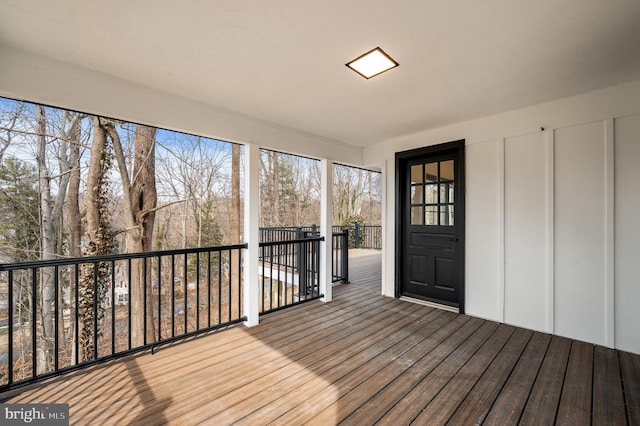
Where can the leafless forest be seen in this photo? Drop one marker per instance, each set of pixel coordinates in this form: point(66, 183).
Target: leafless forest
point(75, 185)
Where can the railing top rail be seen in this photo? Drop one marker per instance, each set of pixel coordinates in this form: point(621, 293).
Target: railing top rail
point(288, 228)
point(300, 240)
point(114, 257)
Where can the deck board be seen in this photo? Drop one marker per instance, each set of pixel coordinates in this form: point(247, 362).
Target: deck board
point(577, 392)
point(508, 407)
point(360, 359)
point(478, 402)
point(422, 394)
point(542, 406)
point(608, 401)
point(630, 372)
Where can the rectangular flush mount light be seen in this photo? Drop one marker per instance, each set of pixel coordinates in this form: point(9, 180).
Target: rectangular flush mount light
point(372, 63)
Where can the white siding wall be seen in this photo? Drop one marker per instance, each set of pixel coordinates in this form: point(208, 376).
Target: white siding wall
point(627, 233)
point(526, 231)
point(553, 215)
point(483, 293)
point(580, 203)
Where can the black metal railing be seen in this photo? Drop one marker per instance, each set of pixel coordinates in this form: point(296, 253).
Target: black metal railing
point(363, 236)
point(340, 257)
point(287, 233)
point(289, 272)
point(340, 245)
point(63, 314)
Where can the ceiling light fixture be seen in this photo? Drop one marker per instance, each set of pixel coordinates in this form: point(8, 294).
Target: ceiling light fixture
point(372, 63)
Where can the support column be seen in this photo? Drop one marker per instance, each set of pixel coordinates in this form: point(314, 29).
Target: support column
point(388, 228)
point(326, 226)
point(251, 233)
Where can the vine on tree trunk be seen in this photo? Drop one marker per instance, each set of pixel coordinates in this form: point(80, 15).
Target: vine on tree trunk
point(94, 281)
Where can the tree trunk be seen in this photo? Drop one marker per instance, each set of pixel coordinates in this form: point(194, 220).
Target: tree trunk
point(143, 204)
point(276, 190)
point(235, 215)
point(94, 282)
point(47, 249)
point(75, 224)
point(140, 198)
point(73, 207)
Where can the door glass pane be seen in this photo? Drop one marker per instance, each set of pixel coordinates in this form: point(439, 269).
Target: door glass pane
point(416, 194)
point(446, 192)
point(431, 172)
point(416, 215)
point(446, 215)
point(431, 215)
point(446, 171)
point(416, 173)
point(431, 194)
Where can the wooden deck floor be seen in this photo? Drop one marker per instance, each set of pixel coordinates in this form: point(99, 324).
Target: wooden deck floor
point(361, 359)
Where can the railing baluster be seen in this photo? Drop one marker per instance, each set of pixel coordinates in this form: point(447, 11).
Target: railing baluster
point(173, 295)
point(10, 329)
point(271, 279)
point(113, 307)
point(197, 291)
point(286, 291)
point(56, 342)
point(209, 289)
point(239, 283)
point(129, 302)
point(220, 287)
point(34, 304)
point(230, 281)
point(159, 298)
point(185, 297)
point(144, 299)
point(95, 310)
point(76, 332)
point(262, 256)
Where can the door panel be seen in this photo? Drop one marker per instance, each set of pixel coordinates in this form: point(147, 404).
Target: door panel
point(430, 235)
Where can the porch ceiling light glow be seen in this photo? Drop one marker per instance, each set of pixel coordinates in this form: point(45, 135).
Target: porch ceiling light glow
point(372, 63)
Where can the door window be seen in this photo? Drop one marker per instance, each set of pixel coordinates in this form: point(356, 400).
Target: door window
point(432, 193)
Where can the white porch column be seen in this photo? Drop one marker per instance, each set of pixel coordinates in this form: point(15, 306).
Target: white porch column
point(388, 228)
point(251, 233)
point(326, 226)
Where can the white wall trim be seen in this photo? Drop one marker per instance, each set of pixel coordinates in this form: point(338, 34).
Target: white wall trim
point(609, 261)
point(550, 180)
point(501, 229)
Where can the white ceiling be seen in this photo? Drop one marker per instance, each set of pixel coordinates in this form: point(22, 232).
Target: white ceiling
point(282, 61)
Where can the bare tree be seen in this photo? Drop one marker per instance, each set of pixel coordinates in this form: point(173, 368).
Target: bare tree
point(140, 200)
point(8, 122)
point(288, 189)
point(191, 171)
point(98, 229)
point(51, 208)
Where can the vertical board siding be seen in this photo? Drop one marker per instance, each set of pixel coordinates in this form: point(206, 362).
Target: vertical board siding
point(627, 232)
point(482, 256)
point(580, 232)
point(525, 231)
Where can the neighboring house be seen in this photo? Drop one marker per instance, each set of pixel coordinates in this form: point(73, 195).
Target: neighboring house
point(121, 294)
point(540, 227)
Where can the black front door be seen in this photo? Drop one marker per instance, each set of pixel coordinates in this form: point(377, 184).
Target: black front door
point(430, 234)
